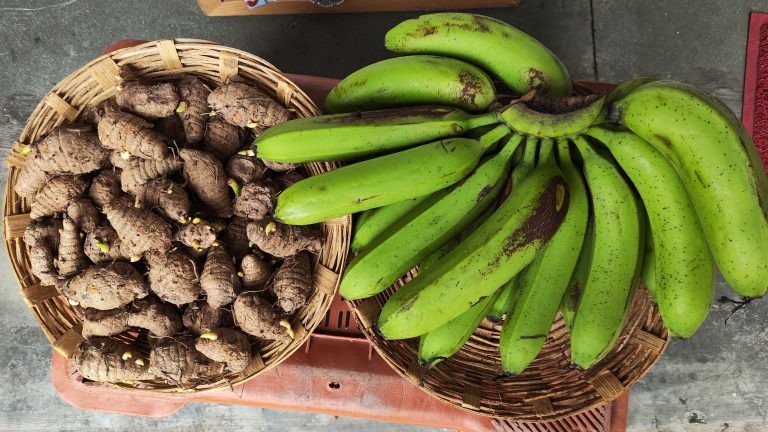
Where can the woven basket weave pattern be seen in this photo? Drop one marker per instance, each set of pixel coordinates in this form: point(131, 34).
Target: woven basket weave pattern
point(97, 81)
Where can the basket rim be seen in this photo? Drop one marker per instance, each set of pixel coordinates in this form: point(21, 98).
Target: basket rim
point(338, 231)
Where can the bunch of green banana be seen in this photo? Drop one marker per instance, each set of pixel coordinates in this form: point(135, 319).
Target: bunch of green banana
point(720, 169)
point(496, 251)
point(545, 280)
point(425, 228)
point(683, 276)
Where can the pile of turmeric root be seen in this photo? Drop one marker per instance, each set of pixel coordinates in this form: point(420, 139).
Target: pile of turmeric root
point(152, 215)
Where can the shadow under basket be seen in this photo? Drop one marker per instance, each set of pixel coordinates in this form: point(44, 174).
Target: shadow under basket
point(165, 60)
point(550, 388)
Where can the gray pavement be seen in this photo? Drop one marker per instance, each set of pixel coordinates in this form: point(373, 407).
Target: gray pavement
point(715, 381)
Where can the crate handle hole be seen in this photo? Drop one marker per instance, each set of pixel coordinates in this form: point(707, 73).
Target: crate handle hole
point(334, 385)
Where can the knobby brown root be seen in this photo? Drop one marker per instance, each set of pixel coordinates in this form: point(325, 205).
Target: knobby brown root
point(172, 128)
point(245, 169)
point(200, 317)
point(194, 94)
point(257, 317)
point(235, 237)
point(283, 240)
point(206, 178)
point(107, 360)
point(198, 234)
point(219, 279)
point(222, 140)
point(83, 214)
point(288, 178)
point(69, 151)
point(105, 188)
point(255, 272)
point(167, 196)
point(55, 195)
point(246, 106)
point(151, 101)
point(173, 276)
point(41, 262)
point(256, 200)
point(43, 231)
point(119, 159)
point(126, 132)
point(292, 283)
point(279, 166)
point(72, 259)
point(103, 245)
point(105, 286)
point(179, 363)
point(227, 346)
point(31, 178)
point(139, 171)
point(139, 230)
point(160, 319)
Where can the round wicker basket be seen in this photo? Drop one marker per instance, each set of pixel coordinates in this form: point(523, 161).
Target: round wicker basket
point(96, 82)
point(550, 388)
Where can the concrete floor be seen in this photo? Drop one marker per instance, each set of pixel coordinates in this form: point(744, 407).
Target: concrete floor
point(715, 381)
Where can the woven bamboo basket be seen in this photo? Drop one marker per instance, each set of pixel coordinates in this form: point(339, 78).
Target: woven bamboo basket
point(95, 82)
point(550, 388)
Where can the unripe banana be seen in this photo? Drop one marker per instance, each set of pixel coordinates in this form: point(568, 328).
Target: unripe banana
point(579, 277)
point(508, 295)
point(623, 89)
point(378, 220)
point(684, 284)
point(616, 259)
point(428, 226)
point(648, 272)
point(502, 246)
point(339, 137)
point(435, 257)
point(413, 80)
point(543, 283)
point(383, 180)
point(446, 340)
point(523, 119)
point(516, 58)
point(720, 168)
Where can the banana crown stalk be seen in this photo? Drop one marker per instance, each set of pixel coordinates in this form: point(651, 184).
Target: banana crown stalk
point(340, 137)
point(519, 60)
point(428, 226)
point(544, 116)
point(502, 246)
point(719, 167)
point(413, 80)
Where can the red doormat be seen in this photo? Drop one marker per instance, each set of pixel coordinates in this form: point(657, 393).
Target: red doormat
point(754, 114)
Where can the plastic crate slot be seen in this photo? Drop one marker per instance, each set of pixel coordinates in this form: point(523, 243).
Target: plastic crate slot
point(334, 385)
point(341, 317)
point(327, 318)
point(346, 320)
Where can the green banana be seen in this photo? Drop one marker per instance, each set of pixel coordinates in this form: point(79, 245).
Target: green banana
point(625, 88)
point(579, 277)
point(648, 273)
point(545, 280)
point(684, 275)
point(508, 294)
point(340, 137)
point(720, 168)
point(521, 118)
point(383, 180)
point(495, 252)
point(378, 220)
point(617, 254)
point(519, 60)
point(413, 80)
point(446, 340)
point(427, 227)
point(527, 162)
point(435, 257)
